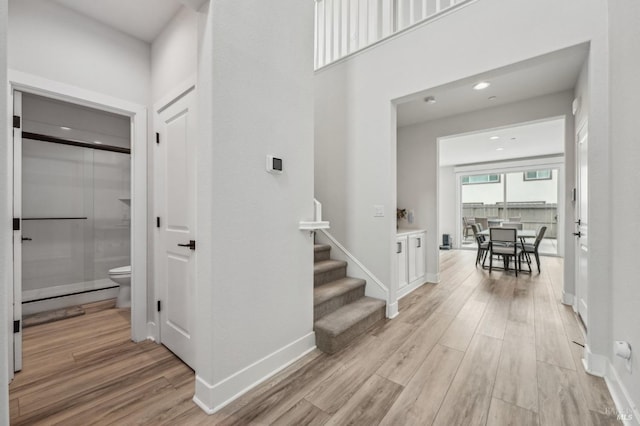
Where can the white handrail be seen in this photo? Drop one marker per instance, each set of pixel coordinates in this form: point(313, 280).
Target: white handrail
point(344, 27)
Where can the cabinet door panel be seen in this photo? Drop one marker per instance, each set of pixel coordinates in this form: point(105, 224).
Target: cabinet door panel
point(401, 250)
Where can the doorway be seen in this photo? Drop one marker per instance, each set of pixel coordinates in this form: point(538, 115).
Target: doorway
point(136, 117)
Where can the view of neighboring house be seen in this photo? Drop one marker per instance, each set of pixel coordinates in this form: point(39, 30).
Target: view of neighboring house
point(368, 114)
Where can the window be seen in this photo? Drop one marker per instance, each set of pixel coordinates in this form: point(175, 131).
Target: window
point(471, 180)
point(537, 175)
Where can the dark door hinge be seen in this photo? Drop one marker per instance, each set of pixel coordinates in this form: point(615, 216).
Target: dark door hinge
point(158, 222)
point(16, 223)
point(16, 326)
point(157, 138)
point(16, 122)
point(159, 306)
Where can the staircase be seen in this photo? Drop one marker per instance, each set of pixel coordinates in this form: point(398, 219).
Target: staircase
point(341, 311)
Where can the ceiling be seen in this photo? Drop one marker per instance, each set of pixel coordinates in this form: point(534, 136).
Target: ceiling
point(539, 76)
point(142, 19)
point(522, 141)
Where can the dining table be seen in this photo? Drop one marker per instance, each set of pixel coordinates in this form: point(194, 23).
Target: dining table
point(520, 233)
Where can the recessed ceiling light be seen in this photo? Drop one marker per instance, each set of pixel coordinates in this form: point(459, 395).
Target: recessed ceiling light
point(97, 142)
point(492, 98)
point(65, 128)
point(513, 138)
point(430, 100)
point(494, 138)
point(481, 85)
point(499, 149)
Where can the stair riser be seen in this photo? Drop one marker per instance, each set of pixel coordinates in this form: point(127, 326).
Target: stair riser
point(328, 276)
point(321, 255)
point(332, 345)
point(337, 302)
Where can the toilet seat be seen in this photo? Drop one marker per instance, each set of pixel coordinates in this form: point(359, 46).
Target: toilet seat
point(123, 270)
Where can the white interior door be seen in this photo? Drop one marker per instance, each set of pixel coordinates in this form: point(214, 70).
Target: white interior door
point(582, 222)
point(175, 270)
point(15, 358)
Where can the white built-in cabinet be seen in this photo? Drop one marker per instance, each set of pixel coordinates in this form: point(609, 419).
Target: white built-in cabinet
point(412, 263)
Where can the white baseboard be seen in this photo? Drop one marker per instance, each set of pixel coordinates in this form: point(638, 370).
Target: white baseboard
point(594, 364)
point(433, 278)
point(66, 301)
point(152, 331)
point(568, 299)
point(212, 397)
point(392, 310)
point(627, 410)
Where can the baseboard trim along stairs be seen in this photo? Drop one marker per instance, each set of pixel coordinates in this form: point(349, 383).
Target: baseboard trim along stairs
point(341, 311)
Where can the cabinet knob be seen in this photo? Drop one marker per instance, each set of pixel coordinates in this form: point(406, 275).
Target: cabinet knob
point(419, 242)
point(399, 249)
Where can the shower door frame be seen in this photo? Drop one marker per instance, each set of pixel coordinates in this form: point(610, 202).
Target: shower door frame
point(27, 83)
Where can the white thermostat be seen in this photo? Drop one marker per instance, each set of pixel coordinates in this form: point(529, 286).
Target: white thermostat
point(274, 164)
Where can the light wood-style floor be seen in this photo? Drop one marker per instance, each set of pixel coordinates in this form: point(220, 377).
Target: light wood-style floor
point(476, 349)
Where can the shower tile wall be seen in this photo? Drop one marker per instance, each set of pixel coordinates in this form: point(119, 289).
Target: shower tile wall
point(60, 181)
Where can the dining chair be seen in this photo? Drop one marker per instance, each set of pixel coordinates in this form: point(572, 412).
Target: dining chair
point(503, 243)
point(466, 225)
point(529, 249)
point(483, 244)
point(482, 221)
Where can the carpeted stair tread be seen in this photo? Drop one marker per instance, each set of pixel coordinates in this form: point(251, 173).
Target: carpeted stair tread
point(321, 247)
point(321, 252)
point(327, 265)
point(341, 320)
point(335, 288)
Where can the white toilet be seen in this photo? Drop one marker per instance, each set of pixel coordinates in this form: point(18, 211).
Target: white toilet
point(122, 276)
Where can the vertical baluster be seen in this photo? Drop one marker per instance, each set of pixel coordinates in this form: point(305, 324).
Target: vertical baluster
point(412, 12)
point(399, 14)
point(374, 21)
point(319, 34)
point(424, 10)
point(438, 6)
point(363, 24)
point(354, 21)
point(387, 13)
point(344, 28)
point(337, 25)
point(328, 30)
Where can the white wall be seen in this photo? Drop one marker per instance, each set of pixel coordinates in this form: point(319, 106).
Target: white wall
point(355, 131)
point(624, 42)
point(174, 54)
point(50, 41)
point(418, 158)
point(518, 189)
point(6, 256)
point(255, 292)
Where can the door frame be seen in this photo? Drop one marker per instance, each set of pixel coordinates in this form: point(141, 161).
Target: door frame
point(29, 83)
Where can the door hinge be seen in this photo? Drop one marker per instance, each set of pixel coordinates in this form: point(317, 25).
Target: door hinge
point(157, 138)
point(158, 222)
point(16, 326)
point(16, 122)
point(16, 223)
point(159, 306)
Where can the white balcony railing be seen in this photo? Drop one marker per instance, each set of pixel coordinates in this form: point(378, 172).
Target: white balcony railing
point(344, 27)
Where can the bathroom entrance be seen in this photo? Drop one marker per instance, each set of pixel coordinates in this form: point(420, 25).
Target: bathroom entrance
point(72, 211)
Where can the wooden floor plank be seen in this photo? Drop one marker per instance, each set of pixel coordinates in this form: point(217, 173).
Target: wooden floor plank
point(504, 414)
point(469, 397)
point(408, 357)
point(516, 381)
point(561, 399)
point(420, 401)
point(303, 413)
point(439, 363)
point(369, 404)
